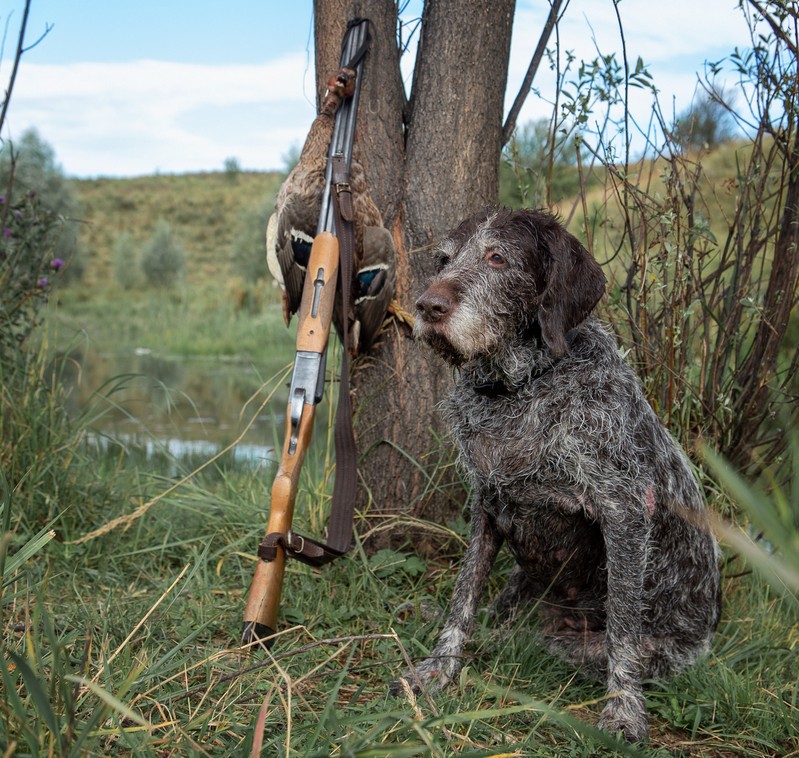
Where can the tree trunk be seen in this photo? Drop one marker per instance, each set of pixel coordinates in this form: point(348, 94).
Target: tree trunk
point(430, 162)
point(760, 367)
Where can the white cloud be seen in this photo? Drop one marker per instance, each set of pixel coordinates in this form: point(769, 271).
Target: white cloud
point(673, 38)
point(658, 31)
point(137, 117)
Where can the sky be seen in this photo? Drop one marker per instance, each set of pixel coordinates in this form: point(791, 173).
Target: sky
point(122, 88)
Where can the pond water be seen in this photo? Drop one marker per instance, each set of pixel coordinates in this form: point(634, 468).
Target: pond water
point(181, 407)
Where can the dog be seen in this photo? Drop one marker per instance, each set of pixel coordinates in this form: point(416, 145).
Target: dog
point(567, 464)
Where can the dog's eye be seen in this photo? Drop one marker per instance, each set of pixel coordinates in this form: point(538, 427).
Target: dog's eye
point(495, 259)
point(442, 261)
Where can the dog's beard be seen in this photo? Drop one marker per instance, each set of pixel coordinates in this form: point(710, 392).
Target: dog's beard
point(522, 355)
point(434, 335)
point(460, 338)
point(441, 345)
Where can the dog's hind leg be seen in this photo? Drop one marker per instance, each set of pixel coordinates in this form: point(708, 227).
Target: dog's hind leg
point(584, 650)
point(665, 656)
point(661, 657)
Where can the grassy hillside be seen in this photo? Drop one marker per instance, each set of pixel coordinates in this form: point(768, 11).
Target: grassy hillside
point(208, 214)
point(202, 209)
point(202, 313)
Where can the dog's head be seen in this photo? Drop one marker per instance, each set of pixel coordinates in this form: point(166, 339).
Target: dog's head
point(503, 273)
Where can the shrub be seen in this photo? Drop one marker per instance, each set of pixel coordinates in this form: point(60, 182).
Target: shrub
point(232, 169)
point(539, 166)
point(248, 249)
point(706, 124)
point(705, 309)
point(124, 261)
point(29, 165)
point(28, 268)
point(162, 259)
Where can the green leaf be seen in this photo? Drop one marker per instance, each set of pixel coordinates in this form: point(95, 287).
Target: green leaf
point(28, 550)
point(110, 700)
point(12, 696)
point(758, 505)
point(781, 569)
point(37, 694)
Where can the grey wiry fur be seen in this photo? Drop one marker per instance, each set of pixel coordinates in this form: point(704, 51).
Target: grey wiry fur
point(568, 465)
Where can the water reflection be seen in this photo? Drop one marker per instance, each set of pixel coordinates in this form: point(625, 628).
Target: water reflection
point(173, 447)
point(183, 407)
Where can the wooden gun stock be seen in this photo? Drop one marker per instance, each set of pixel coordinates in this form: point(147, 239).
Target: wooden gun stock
point(307, 380)
point(315, 316)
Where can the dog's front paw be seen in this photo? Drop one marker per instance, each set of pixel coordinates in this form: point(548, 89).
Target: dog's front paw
point(625, 714)
point(429, 675)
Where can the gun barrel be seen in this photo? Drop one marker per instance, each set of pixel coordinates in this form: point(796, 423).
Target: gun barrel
point(344, 129)
point(315, 316)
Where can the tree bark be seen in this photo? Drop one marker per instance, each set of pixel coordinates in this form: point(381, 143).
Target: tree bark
point(431, 161)
point(760, 367)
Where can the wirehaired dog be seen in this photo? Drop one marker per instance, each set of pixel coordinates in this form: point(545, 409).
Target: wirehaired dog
point(568, 465)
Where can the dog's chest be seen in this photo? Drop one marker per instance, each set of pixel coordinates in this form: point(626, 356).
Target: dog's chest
point(511, 443)
point(528, 473)
point(550, 542)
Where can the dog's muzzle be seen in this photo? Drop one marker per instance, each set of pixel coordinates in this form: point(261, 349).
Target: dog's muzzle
point(435, 304)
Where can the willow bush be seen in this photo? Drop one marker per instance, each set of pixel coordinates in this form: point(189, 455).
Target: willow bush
point(702, 275)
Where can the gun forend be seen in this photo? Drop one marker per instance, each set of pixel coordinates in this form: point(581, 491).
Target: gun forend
point(318, 295)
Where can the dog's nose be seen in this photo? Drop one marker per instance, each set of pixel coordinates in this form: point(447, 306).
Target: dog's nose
point(433, 305)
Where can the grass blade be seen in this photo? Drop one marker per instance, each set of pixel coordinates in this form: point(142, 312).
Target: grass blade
point(28, 550)
point(37, 694)
point(111, 701)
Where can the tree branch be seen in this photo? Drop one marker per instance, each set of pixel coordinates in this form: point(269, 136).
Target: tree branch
point(513, 114)
point(17, 57)
point(776, 28)
point(47, 29)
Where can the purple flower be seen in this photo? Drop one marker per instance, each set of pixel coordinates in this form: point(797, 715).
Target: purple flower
point(2, 199)
point(56, 264)
point(43, 282)
point(7, 232)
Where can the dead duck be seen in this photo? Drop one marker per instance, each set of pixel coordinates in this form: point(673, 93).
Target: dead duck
point(291, 229)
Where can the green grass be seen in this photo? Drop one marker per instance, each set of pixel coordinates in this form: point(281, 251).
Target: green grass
point(127, 642)
point(198, 323)
point(152, 616)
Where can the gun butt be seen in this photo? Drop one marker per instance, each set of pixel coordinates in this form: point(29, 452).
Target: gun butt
point(253, 633)
point(260, 614)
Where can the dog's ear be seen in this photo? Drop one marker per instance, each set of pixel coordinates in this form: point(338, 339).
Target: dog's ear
point(574, 285)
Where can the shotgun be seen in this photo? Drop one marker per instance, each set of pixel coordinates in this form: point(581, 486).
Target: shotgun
point(325, 268)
